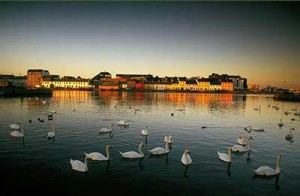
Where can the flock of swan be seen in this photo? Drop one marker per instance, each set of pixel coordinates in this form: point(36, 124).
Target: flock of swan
point(261, 171)
point(97, 156)
point(244, 145)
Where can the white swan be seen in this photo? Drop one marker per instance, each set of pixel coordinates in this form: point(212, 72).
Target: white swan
point(133, 154)
point(280, 124)
point(186, 158)
point(168, 139)
point(123, 123)
point(53, 111)
point(105, 129)
point(243, 140)
point(96, 156)
point(257, 108)
point(268, 171)
point(17, 133)
point(249, 129)
point(225, 157)
point(160, 150)
point(15, 126)
point(181, 109)
point(290, 136)
point(78, 165)
point(145, 131)
point(240, 148)
point(51, 133)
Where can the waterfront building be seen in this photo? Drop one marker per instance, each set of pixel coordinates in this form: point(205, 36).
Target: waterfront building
point(215, 85)
point(192, 84)
point(112, 84)
point(133, 76)
point(239, 83)
point(11, 80)
point(179, 83)
point(203, 84)
point(227, 86)
point(35, 77)
point(67, 82)
point(100, 77)
point(253, 87)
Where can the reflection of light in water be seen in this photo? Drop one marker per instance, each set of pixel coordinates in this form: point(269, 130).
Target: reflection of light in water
point(71, 95)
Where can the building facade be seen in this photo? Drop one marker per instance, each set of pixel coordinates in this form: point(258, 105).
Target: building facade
point(35, 77)
point(67, 83)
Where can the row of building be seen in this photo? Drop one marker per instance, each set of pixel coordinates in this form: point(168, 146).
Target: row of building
point(38, 78)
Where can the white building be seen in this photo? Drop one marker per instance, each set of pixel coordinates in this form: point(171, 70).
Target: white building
point(63, 83)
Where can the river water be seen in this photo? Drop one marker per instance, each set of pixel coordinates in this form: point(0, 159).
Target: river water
point(202, 123)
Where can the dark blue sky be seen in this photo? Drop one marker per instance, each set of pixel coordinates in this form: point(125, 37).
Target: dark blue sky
point(258, 40)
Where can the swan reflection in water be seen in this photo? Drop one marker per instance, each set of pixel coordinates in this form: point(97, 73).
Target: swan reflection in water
point(290, 137)
point(141, 164)
point(248, 157)
point(277, 186)
point(228, 169)
point(185, 174)
point(166, 156)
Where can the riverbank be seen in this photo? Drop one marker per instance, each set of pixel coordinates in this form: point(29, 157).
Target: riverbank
point(287, 96)
point(25, 92)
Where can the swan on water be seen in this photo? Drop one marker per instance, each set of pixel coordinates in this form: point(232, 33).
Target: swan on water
point(145, 131)
point(105, 129)
point(16, 133)
point(123, 123)
point(133, 154)
point(249, 129)
point(160, 150)
point(243, 140)
point(53, 111)
point(280, 124)
point(290, 136)
point(257, 108)
point(168, 139)
point(51, 133)
point(240, 148)
point(79, 165)
point(225, 157)
point(186, 158)
point(15, 126)
point(96, 156)
point(268, 171)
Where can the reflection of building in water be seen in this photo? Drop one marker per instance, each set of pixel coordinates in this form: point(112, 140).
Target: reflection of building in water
point(179, 100)
point(71, 95)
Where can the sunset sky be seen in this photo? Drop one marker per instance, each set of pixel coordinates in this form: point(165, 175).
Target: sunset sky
point(256, 40)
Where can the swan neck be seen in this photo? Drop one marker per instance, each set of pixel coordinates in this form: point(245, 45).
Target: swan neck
point(229, 154)
point(249, 145)
point(107, 154)
point(167, 146)
point(141, 150)
point(278, 163)
point(85, 162)
point(22, 130)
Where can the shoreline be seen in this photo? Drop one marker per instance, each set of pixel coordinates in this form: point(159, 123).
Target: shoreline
point(48, 92)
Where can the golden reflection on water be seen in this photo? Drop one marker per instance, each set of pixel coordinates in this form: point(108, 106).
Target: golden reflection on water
point(71, 95)
point(179, 98)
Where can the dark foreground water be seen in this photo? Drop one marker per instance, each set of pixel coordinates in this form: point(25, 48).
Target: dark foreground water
point(36, 165)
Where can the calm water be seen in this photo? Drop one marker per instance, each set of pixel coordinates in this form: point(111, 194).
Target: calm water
point(38, 164)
